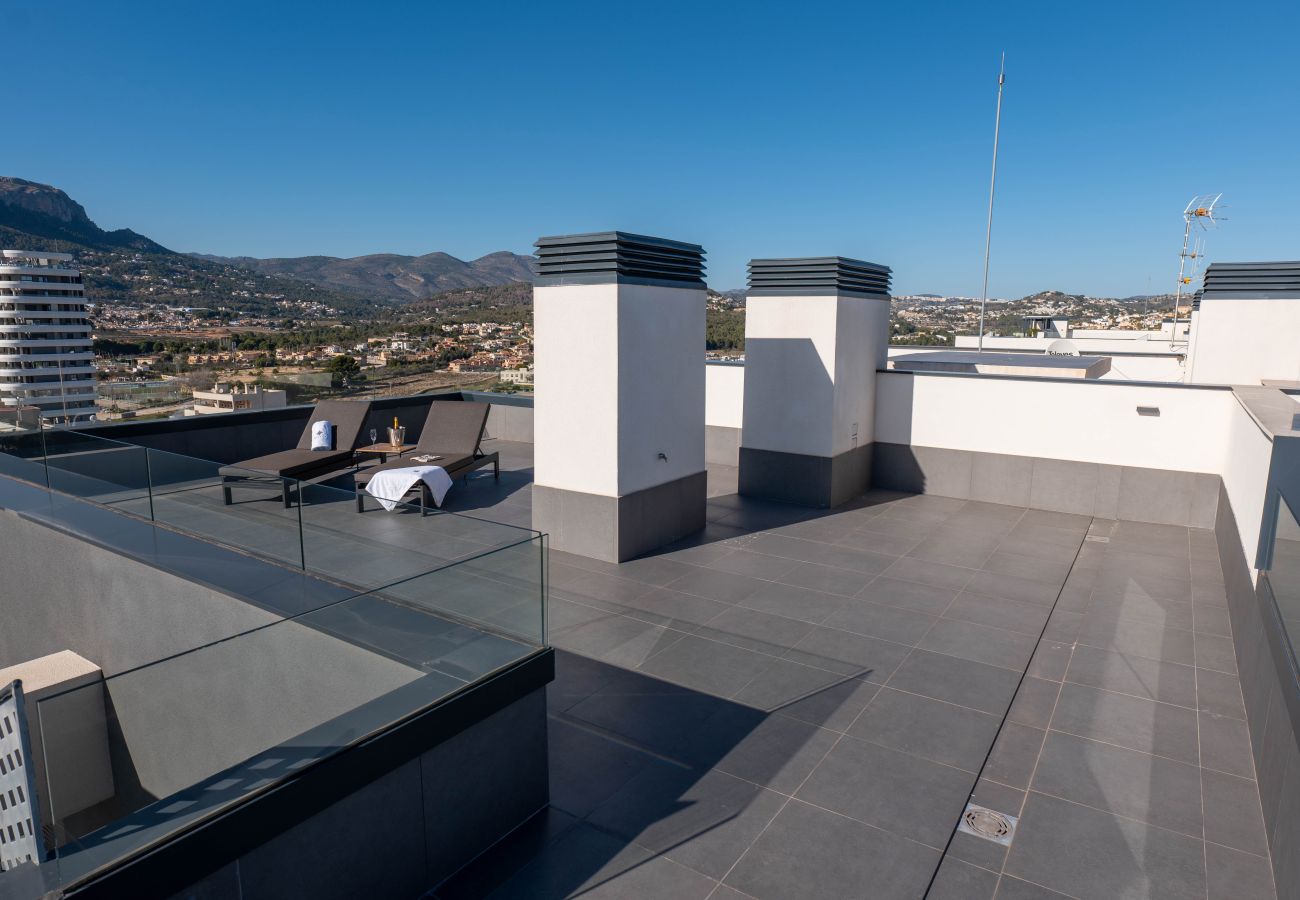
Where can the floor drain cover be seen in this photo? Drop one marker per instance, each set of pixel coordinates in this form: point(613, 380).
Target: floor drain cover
point(1097, 539)
point(988, 824)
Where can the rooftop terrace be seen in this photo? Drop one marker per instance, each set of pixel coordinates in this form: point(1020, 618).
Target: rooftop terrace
point(802, 703)
point(794, 701)
point(803, 627)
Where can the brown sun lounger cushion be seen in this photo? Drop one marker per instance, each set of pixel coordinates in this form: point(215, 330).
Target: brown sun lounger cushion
point(347, 416)
point(453, 430)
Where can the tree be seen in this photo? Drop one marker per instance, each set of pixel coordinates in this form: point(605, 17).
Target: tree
point(343, 367)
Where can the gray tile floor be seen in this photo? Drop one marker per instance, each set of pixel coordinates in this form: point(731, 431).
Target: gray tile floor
point(800, 703)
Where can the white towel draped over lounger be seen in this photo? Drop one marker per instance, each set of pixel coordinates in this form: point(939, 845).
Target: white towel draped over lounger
point(389, 486)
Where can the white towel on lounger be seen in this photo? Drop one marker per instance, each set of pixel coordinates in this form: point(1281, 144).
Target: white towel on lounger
point(389, 486)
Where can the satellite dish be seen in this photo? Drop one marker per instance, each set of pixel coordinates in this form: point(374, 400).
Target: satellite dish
point(1062, 347)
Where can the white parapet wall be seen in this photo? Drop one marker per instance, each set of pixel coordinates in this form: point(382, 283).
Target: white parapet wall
point(1095, 422)
point(724, 394)
point(1147, 452)
point(1248, 451)
point(1200, 429)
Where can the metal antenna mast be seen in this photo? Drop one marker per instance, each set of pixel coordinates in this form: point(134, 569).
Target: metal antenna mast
point(1203, 210)
point(993, 181)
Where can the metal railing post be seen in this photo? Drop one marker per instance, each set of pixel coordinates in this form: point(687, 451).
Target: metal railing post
point(302, 543)
point(148, 483)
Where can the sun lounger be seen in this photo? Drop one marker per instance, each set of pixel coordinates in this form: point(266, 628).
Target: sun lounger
point(453, 431)
point(280, 471)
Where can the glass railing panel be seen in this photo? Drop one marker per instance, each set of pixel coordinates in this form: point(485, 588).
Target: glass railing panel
point(132, 759)
point(230, 505)
point(1284, 573)
point(501, 591)
point(22, 455)
point(93, 468)
point(368, 545)
point(312, 528)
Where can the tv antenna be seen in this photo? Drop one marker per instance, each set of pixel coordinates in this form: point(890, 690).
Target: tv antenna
point(1202, 211)
point(993, 181)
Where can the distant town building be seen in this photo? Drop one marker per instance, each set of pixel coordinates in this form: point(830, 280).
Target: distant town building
point(522, 377)
point(45, 343)
point(236, 397)
point(1047, 326)
point(479, 362)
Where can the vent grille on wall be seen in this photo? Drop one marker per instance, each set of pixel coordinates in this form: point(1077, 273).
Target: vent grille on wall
point(1263, 280)
point(818, 276)
point(20, 819)
point(616, 257)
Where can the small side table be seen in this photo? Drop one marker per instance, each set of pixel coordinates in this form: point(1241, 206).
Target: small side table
point(382, 450)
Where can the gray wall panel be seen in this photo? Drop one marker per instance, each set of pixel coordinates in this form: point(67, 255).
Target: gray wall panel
point(114, 611)
point(616, 529)
point(482, 783)
point(1273, 730)
point(369, 844)
point(803, 479)
point(721, 445)
point(408, 830)
point(1059, 485)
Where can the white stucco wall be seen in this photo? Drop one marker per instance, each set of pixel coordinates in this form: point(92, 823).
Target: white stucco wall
point(660, 386)
point(1198, 429)
point(724, 395)
point(862, 341)
point(810, 366)
point(1247, 454)
point(1085, 421)
point(1172, 369)
point(1246, 341)
point(575, 406)
point(789, 374)
point(618, 381)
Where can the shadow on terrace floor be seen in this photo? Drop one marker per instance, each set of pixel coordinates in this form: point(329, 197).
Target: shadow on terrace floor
point(797, 703)
point(700, 689)
point(656, 789)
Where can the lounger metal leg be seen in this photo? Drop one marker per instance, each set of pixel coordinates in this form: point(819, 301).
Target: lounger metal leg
point(496, 469)
point(361, 501)
point(288, 495)
point(225, 494)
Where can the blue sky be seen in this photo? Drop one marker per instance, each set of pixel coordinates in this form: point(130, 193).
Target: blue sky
point(861, 129)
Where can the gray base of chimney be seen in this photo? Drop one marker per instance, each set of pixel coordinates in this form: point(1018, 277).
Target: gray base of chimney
point(617, 529)
point(822, 481)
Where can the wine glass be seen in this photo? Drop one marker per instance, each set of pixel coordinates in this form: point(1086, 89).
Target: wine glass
point(374, 436)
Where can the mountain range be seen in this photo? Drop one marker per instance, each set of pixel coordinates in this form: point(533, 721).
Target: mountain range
point(391, 275)
point(126, 265)
point(32, 215)
point(41, 216)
